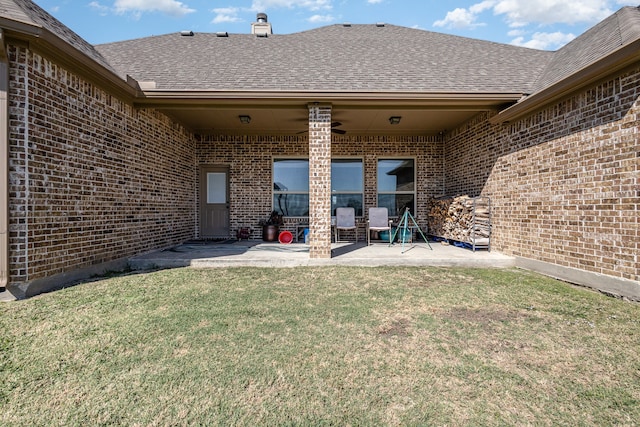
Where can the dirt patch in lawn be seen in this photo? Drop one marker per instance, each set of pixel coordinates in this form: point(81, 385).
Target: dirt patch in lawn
point(399, 326)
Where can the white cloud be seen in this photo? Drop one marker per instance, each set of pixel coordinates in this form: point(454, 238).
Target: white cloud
point(170, 7)
point(481, 7)
point(314, 5)
point(374, 1)
point(458, 18)
point(465, 18)
point(232, 14)
point(310, 5)
point(321, 19)
point(546, 12)
point(545, 40)
point(101, 9)
point(226, 10)
point(520, 13)
point(226, 14)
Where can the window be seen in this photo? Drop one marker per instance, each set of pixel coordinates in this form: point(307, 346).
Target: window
point(291, 187)
point(396, 185)
point(347, 185)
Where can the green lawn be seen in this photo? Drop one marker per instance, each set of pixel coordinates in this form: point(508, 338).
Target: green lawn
point(320, 346)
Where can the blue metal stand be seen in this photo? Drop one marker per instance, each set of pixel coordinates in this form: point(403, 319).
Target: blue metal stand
point(406, 229)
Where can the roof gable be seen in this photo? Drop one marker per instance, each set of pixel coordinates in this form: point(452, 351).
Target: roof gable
point(29, 13)
point(601, 40)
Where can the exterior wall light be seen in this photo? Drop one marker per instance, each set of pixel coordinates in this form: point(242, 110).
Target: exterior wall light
point(245, 119)
point(394, 120)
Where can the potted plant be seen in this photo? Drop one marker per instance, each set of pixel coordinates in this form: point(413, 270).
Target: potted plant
point(271, 226)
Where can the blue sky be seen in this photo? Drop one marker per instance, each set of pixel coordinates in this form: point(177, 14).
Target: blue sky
point(539, 24)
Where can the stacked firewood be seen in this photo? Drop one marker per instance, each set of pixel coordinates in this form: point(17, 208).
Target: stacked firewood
point(453, 218)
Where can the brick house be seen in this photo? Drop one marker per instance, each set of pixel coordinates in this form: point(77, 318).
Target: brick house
point(122, 148)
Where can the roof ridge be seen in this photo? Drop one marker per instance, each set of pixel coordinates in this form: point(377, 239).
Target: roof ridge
point(629, 24)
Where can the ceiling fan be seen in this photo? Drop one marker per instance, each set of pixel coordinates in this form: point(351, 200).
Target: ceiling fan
point(334, 126)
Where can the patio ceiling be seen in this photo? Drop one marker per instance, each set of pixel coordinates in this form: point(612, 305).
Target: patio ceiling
point(363, 115)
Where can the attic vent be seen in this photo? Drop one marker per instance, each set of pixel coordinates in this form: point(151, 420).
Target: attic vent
point(347, 24)
point(379, 24)
point(186, 33)
point(147, 85)
point(222, 34)
point(261, 27)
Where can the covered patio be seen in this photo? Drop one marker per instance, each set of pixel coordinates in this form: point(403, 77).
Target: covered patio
point(252, 253)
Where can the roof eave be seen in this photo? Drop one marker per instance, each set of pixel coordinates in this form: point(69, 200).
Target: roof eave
point(165, 98)
point(41, 39)
point(619, 59)
point(20, 27)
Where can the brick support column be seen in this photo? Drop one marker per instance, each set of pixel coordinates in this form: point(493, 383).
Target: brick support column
point(319, 181)
point(4, 162)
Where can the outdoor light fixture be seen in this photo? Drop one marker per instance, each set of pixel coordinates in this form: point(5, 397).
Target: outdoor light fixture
point(394, 120)
point(245, 119)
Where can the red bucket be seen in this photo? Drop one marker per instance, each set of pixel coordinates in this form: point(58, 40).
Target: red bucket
point(285, 237)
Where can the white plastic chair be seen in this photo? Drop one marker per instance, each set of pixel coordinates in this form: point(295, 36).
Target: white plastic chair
point(345, 220)
point(378, 221)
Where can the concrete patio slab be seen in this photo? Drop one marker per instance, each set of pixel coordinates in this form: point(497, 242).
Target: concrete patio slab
point(264, 254)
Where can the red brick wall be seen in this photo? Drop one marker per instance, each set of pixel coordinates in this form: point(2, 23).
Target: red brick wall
point(564, 181)
point(250, 158)
point(91, 178)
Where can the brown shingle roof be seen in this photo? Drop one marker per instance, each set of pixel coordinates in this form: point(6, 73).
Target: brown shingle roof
point(337, 58)
point(333, 58)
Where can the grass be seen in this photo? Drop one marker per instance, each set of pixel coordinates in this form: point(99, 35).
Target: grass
point(320, 346)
